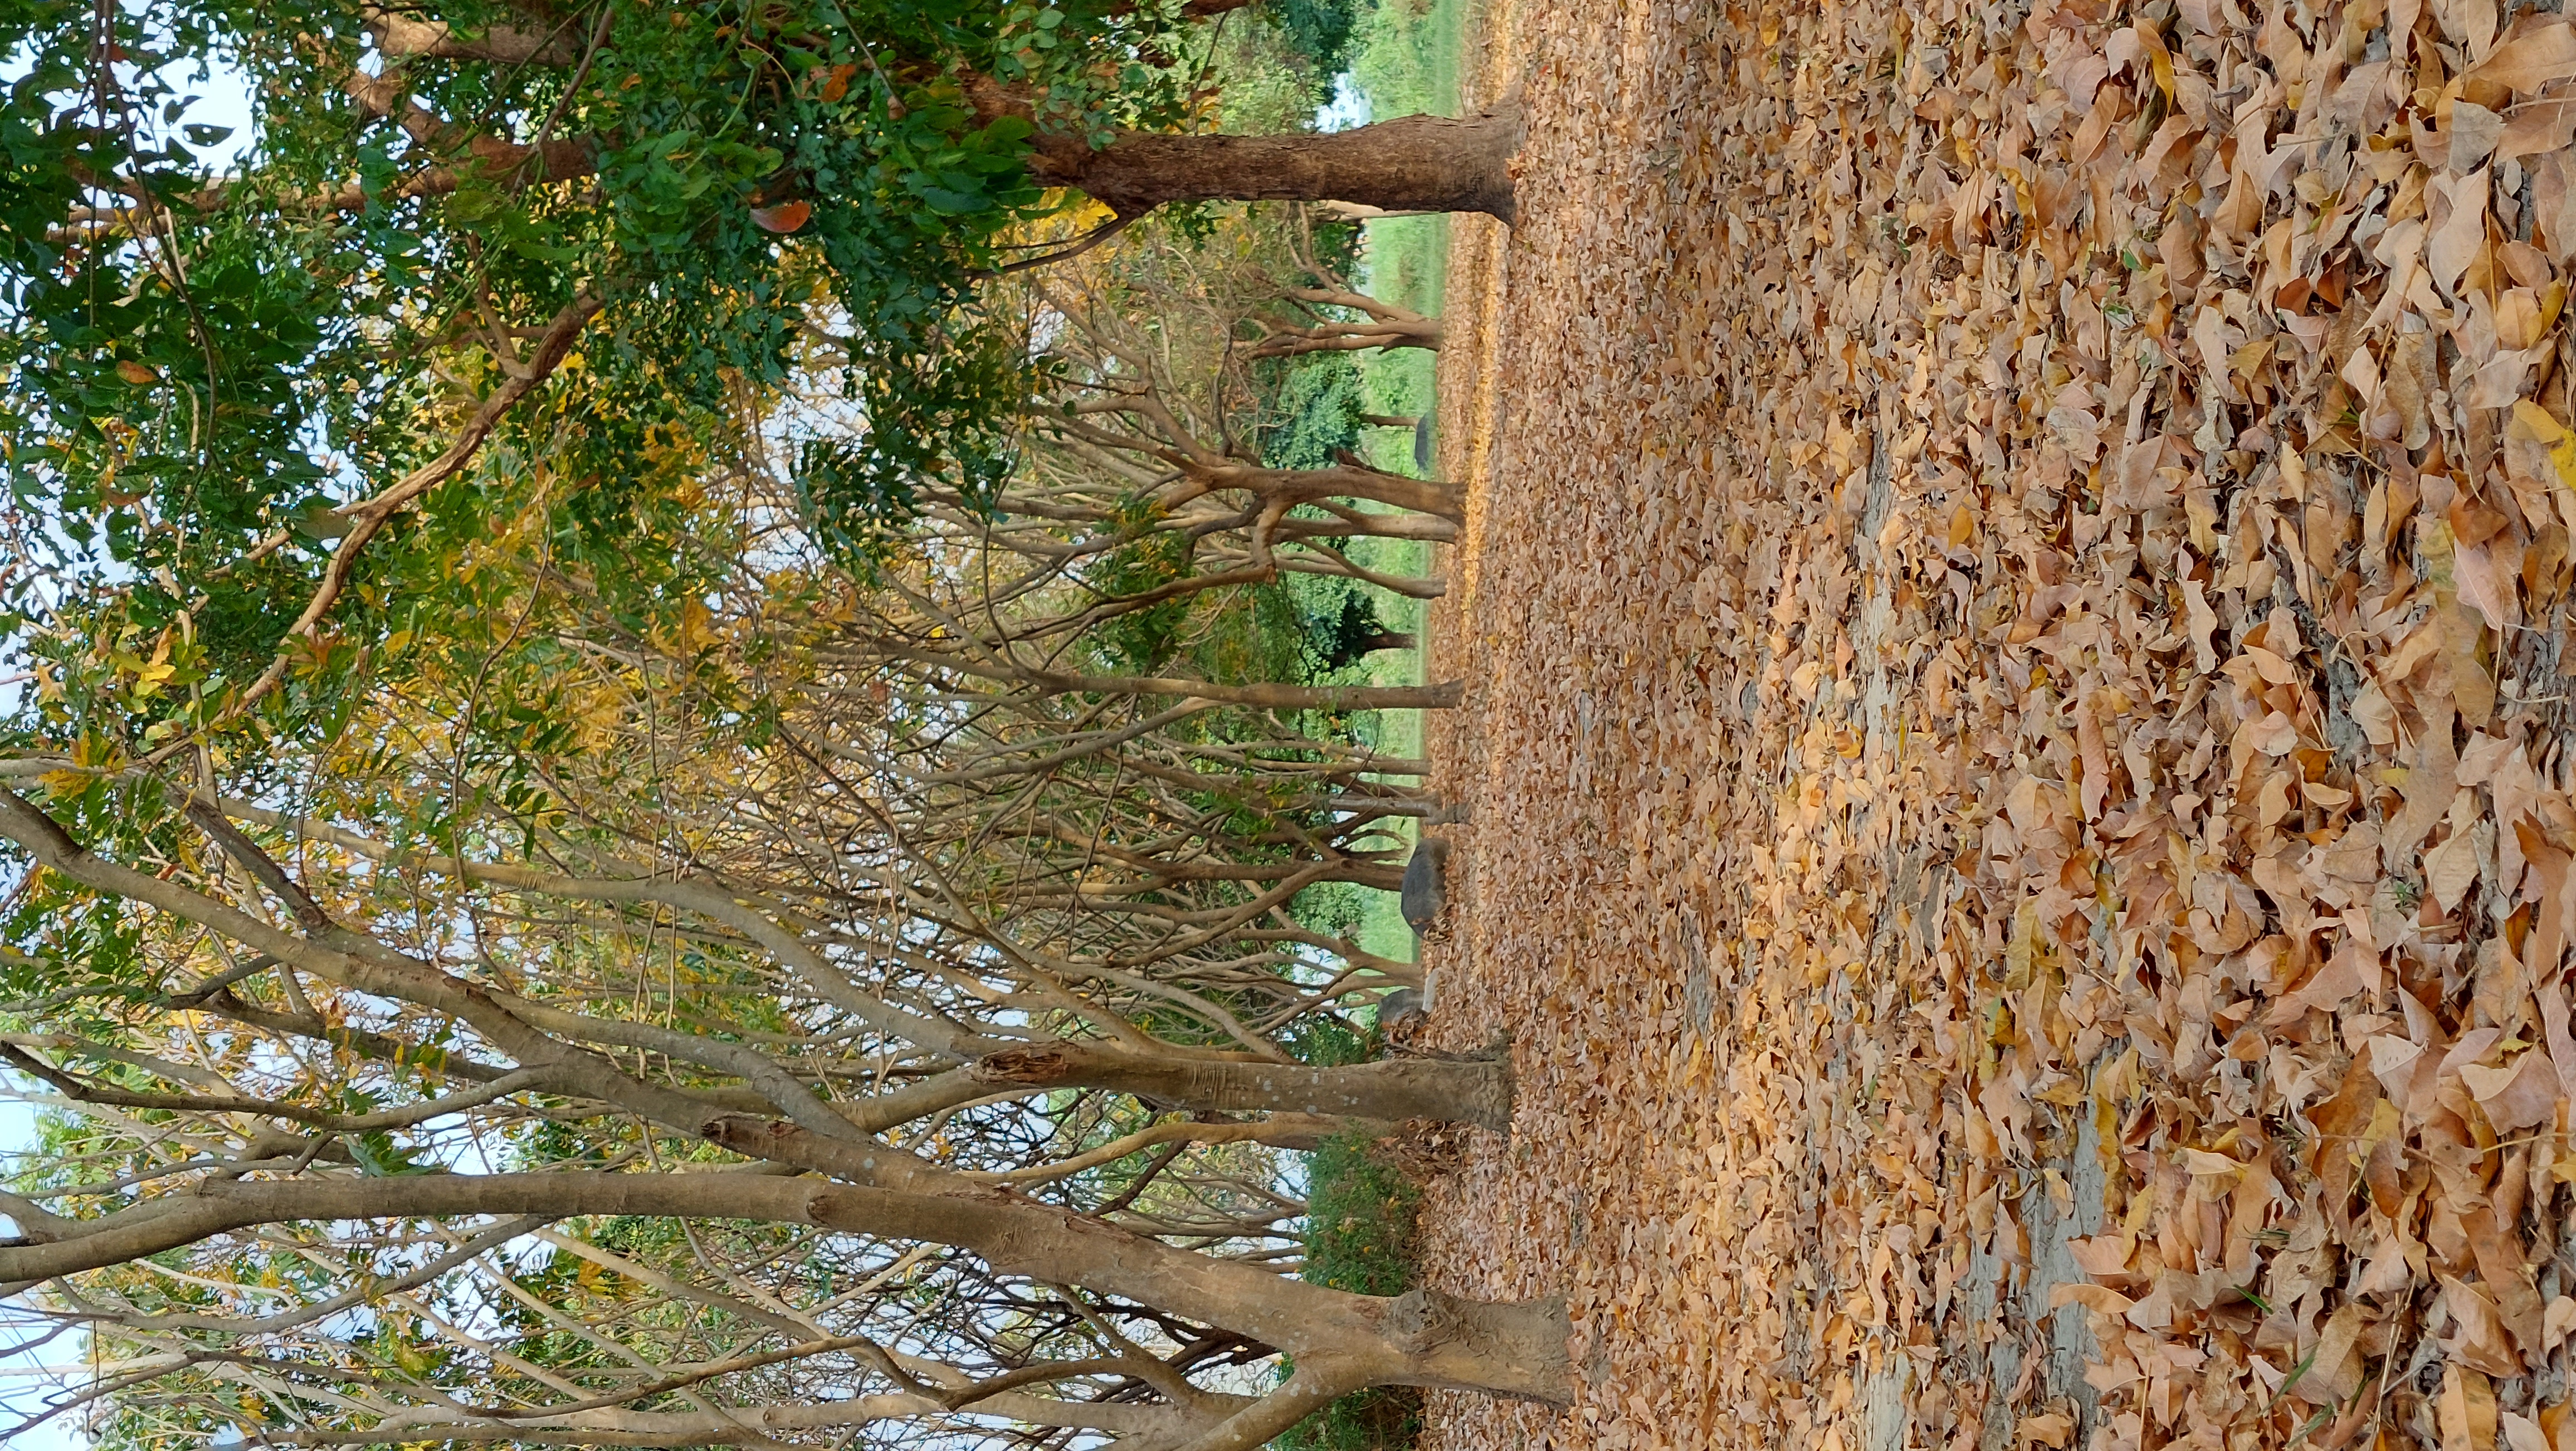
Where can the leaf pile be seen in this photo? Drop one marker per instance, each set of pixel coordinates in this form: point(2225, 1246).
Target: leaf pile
point(2022, 818)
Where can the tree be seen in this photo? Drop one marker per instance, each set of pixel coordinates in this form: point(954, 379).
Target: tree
point(1334, 316)
point(507, 1026)
point(389, 989)
point(238, 387)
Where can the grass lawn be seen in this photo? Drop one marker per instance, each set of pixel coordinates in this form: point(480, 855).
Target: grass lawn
point(1407, 61)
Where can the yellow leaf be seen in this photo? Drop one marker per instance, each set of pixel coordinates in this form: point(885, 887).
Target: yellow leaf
point(1963, 526)
point(2538, 446)
point(695, 631)
point(2201, 1161)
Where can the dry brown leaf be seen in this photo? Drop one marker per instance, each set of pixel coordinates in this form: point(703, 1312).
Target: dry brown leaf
point(2052, 1428)
point(2517, 1096)
point(2450, 869)
point(2529, 61)
point(2559, 1321)
point(2466, 1410)
point(2097, 773)
point(2274, 735)
point(2477, 1338)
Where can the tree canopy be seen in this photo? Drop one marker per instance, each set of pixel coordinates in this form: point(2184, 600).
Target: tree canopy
point(588, 232)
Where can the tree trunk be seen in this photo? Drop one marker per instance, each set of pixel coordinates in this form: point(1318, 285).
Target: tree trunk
point(1513, 1348)
point(1444, 696)
point(1434, 497)
point(1426, 1338)
point(1386, 326)
point(1475, 1091)
point(1410, 164)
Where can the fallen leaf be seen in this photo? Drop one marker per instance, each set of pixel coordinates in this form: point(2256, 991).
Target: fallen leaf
point(2091, 1297)
point(2274, 735)
point(2335, 1365)
point(2450, 870)
point(2477, 1341)
point(2530, 61)
point(2475, 130)
point(2454, 243)
point(2518, 1095)
point(2053, 1429)
point(2559, 1321)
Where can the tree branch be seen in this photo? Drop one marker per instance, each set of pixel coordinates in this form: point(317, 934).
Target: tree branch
point(400, 37)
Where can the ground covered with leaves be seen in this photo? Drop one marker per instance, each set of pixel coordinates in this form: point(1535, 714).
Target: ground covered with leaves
point(2013, 611)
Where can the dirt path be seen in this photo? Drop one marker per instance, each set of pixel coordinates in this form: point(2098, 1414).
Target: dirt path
point(2020, 818)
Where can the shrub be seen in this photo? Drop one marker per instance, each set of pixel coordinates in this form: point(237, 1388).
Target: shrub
point(1361, 1213)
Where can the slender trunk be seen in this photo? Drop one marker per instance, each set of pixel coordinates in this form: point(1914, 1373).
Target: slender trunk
point(1476, 1091)
point(1410, 164)
point(1426, 1338)
point(1429, 528)
point(1309, 1390)
point(1342, 481)
point(1443, 696)
point(760, 1425)
point(1514, 1349)
point(1511, 1349)
point(1349, 338)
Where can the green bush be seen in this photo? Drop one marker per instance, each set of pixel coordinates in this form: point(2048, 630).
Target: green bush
point(1318, 402)
point(1388, 1416)
point(1361, 1214)
point(1319, 31)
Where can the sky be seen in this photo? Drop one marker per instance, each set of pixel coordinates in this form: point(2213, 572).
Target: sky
point(1348, 108)
point(21, 1395)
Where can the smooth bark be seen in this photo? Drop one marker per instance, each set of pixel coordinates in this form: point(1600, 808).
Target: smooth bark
point(1388, 326)
point(1423, 1339)
point(1134, 1425)
point(1443, 696)
point(1409, 164)
point(1476, 1091)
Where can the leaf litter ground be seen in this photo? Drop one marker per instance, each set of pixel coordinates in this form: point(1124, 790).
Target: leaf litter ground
point(2013, 613)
